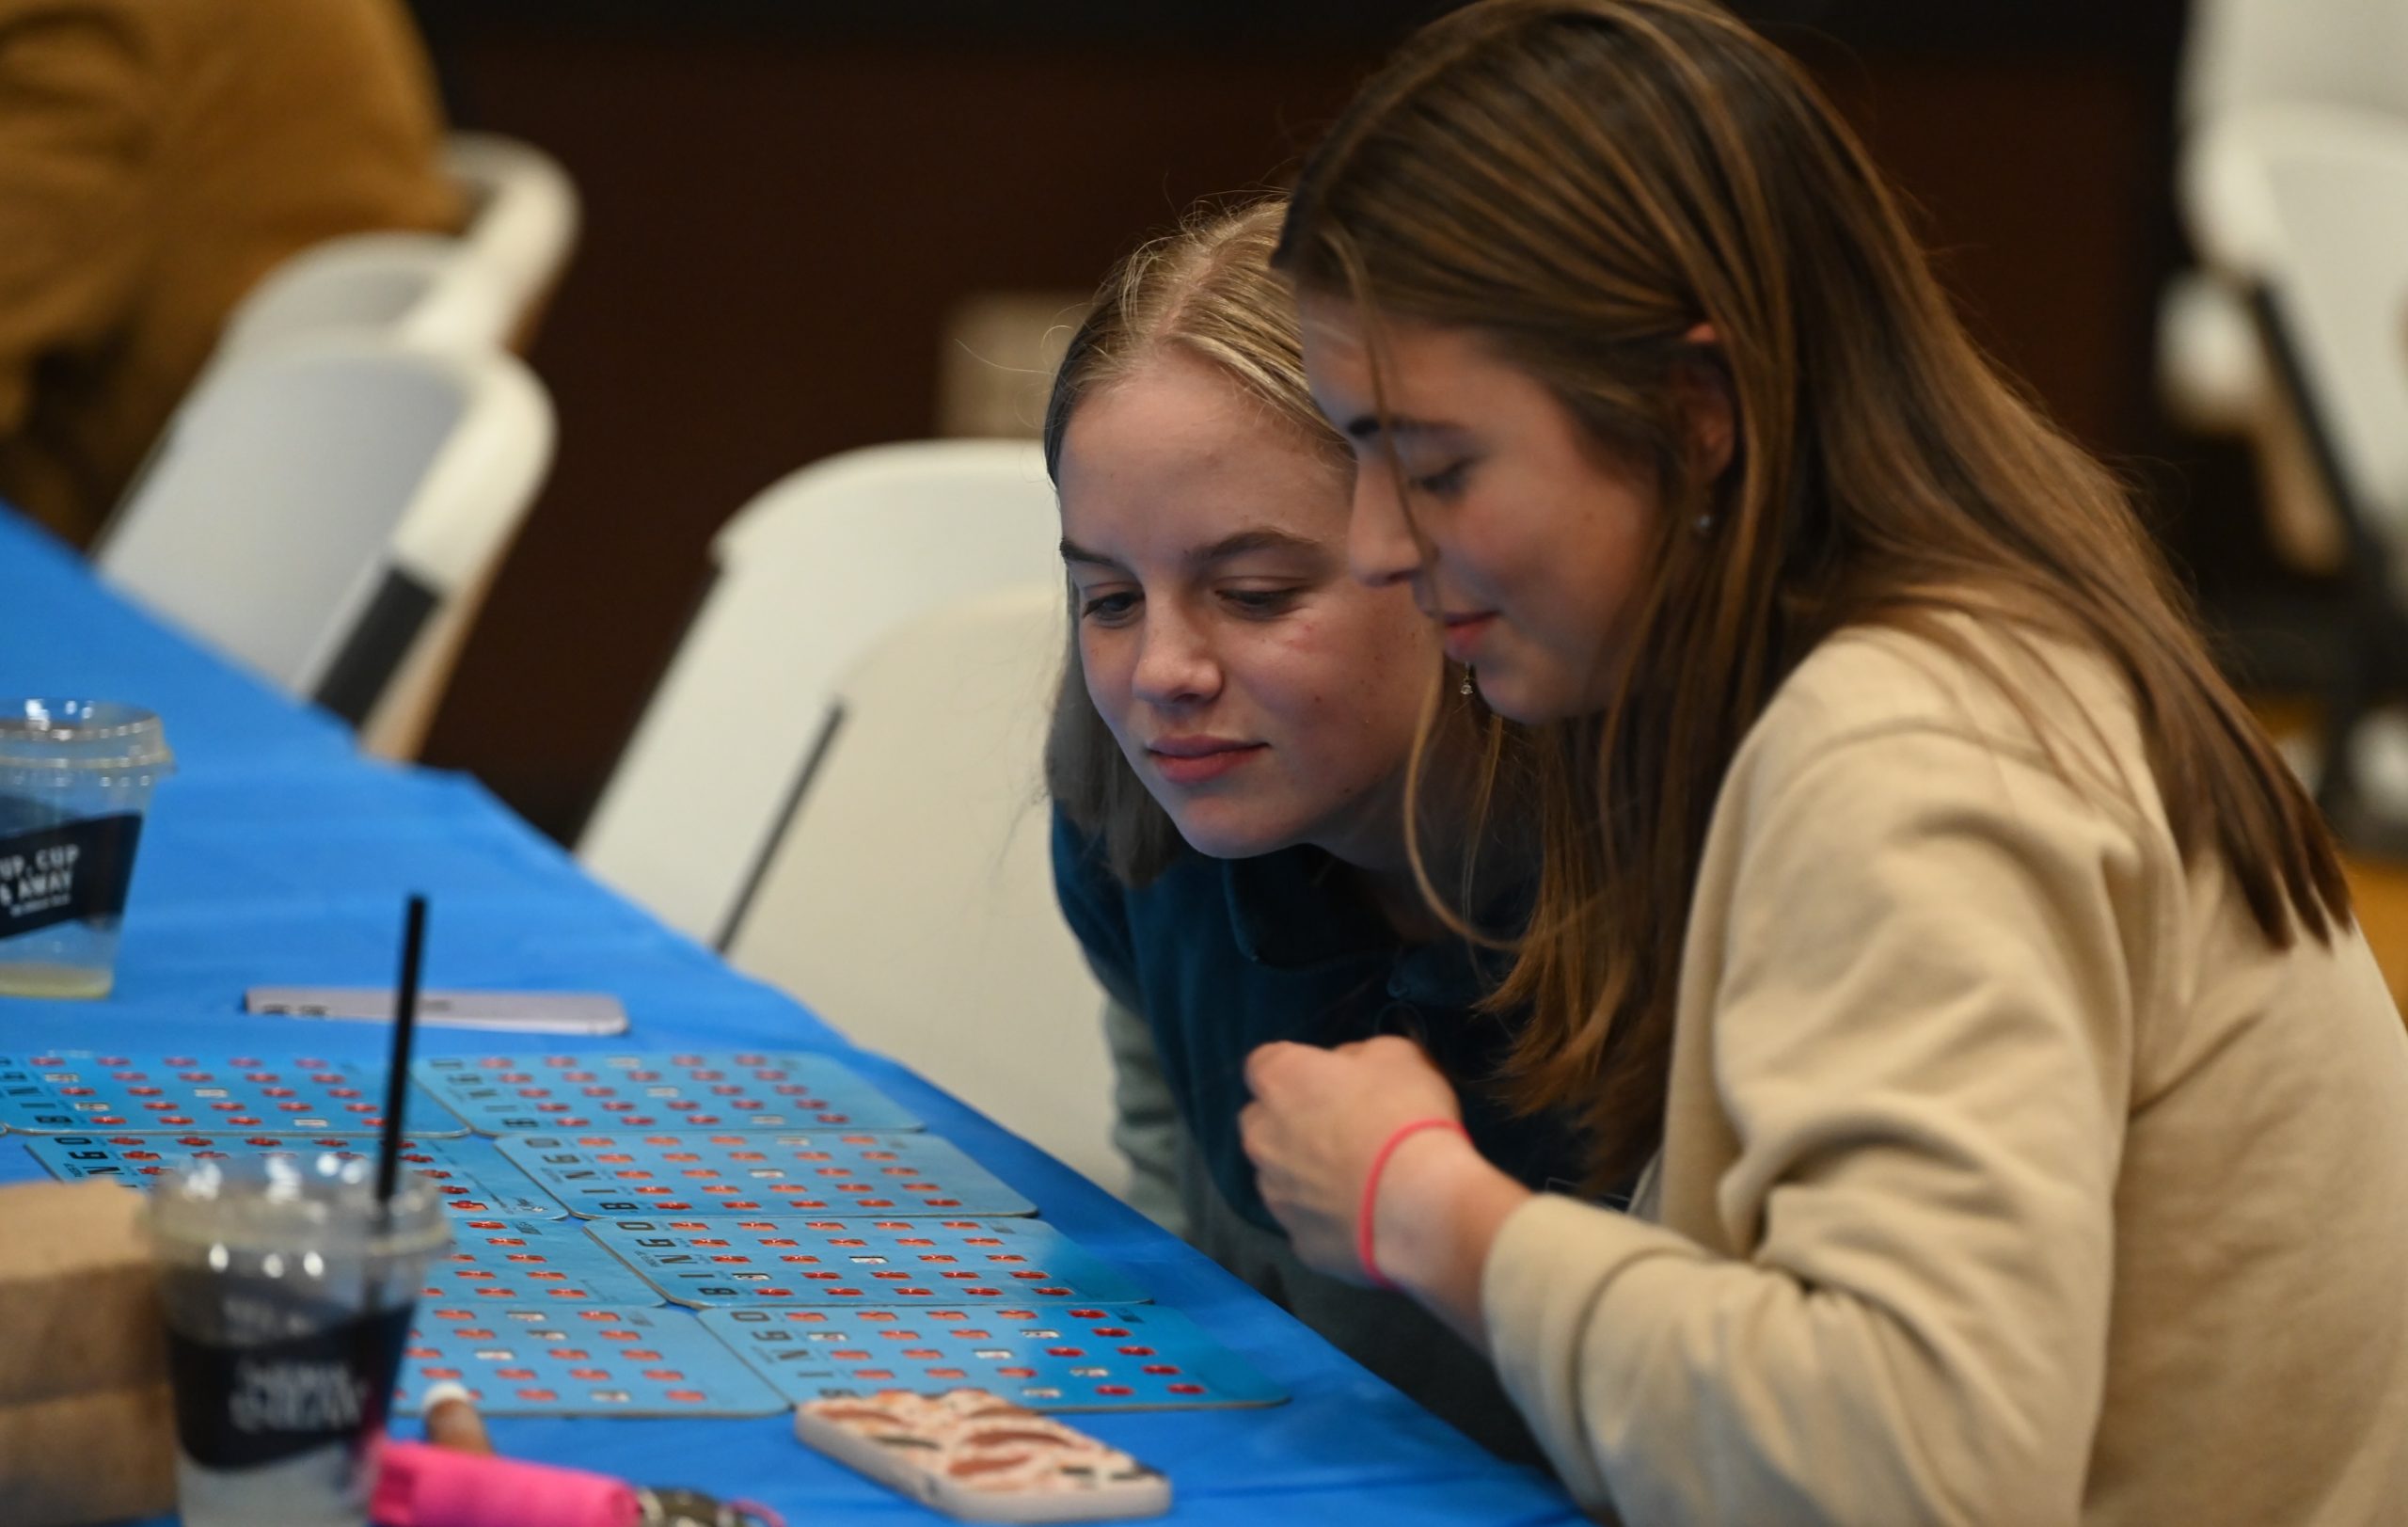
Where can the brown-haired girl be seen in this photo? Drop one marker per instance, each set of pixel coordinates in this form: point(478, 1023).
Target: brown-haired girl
point(1229, 764)
point(2028, 1120)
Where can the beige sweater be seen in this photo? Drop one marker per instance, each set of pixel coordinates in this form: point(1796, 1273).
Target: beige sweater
point(2009, 1177)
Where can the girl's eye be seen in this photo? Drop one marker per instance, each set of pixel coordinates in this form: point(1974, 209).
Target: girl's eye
point(1260, 601)
point(1107, 609)
point(1443, 484)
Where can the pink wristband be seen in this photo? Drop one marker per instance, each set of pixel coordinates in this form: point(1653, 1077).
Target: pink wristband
point(1371, 1193)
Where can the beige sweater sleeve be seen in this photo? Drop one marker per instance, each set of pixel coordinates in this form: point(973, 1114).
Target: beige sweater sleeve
point(1920, 1007)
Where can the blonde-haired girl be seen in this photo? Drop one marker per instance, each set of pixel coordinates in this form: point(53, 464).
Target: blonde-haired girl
point(1228, 765)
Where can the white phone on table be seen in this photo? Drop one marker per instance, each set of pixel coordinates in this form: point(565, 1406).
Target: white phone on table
point(536, 1012)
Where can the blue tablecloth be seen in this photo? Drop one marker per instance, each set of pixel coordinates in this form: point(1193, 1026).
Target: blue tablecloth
point(278, 855)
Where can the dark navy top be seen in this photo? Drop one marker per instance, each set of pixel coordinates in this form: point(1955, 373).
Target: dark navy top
point(1222, 955)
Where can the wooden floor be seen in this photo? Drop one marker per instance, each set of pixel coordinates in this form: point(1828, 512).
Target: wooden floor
point(2379, 887)
point(2382, 894)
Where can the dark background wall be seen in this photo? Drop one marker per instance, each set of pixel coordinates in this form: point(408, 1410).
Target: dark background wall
point(784, 200)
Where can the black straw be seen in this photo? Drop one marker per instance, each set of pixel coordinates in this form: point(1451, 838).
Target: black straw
point(397, 1080)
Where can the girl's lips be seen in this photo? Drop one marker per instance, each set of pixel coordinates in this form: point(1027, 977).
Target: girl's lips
point(1464, 633)
point(1198, 768)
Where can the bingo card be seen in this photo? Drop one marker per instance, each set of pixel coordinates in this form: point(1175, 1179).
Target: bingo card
point(530, 1261)
point(83, 1091)
point(601, 1176)
point(1044, 1357)
point(864, 1262)
point(473, 1179)
point(560, 1361)
point(518, 1094)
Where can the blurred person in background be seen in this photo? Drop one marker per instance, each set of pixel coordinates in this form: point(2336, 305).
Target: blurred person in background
point(157, 157)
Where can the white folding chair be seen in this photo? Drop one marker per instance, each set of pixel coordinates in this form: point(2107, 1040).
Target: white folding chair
point(2240, 56)
point(810, 573)
point(2307, 206)
point(910, 900)
point(2311, 203)
point(316, 511)
point(422, 290)
point(523, 218)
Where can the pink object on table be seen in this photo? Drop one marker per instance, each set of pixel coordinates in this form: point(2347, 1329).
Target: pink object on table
point(418, 1485)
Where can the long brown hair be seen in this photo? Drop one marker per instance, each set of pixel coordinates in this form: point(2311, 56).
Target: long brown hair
point(1582, 182)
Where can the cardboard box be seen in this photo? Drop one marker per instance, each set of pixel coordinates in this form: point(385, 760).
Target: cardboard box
point(86, 1432)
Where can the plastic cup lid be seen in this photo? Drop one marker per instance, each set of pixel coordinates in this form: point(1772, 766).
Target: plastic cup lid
point(81, 735)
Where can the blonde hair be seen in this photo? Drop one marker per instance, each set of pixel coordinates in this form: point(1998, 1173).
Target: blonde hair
point(1208, 292)
point(1583, 182)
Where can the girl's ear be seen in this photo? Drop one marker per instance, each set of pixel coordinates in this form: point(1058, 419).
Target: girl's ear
point(1710, 409)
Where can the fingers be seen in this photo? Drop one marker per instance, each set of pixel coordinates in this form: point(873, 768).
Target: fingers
point(1261, 1062)
point(452, 1420)
point(1268, 1063)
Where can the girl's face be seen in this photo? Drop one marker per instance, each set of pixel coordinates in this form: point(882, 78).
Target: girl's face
point(1531, 536)
point(1265, 697)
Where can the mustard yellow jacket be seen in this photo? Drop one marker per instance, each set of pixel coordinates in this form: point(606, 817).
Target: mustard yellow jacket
point(156, 158)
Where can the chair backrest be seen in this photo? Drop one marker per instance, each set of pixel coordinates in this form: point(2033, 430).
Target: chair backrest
point(810, 575)
point(2312, 204)
point(909, 901)
point(416, 289)
point(310, 506)
point(2240, 54)
point(523, 214)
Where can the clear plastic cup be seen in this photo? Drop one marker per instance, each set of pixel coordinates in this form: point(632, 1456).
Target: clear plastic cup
point(75, 779)
point(287, 1291)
